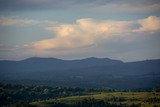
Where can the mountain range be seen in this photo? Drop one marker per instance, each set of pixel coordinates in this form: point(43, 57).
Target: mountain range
point(89, 73)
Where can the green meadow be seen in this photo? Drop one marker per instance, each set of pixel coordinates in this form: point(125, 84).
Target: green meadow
point(124, 99)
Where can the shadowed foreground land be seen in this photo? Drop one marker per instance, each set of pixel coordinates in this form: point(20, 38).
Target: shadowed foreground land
point(46, 96)
point(106, 99)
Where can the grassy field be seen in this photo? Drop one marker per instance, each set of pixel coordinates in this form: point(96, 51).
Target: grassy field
point(143, 99)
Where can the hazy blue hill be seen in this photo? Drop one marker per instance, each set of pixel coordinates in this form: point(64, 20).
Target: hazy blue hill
point(36, 63)
point(89, 72)
point(92, 61)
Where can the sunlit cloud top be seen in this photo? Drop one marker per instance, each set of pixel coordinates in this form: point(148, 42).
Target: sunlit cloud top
point(86, 32)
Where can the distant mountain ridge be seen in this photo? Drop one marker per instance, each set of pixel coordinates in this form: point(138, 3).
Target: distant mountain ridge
point(88, 72)
point(54, 63)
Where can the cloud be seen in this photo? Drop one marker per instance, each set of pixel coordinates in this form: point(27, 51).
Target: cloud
point(151, 23)
point(84, 32)
point(88, 32)
point(126, 6)
point(9, 21)
point(115, 6)
point(14, 5)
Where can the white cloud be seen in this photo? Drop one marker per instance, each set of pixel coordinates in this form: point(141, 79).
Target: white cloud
point(84, 32)
point(9, 21)
point(151, 23)
point(87, 32)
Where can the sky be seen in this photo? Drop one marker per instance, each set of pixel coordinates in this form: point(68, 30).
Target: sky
point(127, 30)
